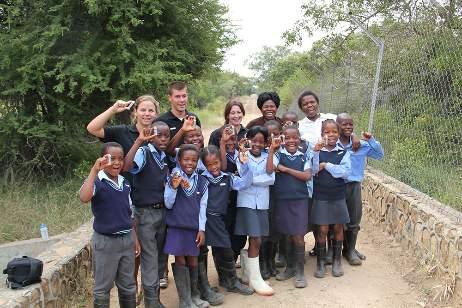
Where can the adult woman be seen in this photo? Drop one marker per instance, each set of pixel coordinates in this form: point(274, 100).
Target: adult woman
point(268, 103)
point(146, 109)
point(234, 113)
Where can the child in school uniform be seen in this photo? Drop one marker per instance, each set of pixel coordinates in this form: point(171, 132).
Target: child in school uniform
point(220, 185)
point(291, 196)
point(369, 148)
point(192, 135)
point(186, 196)
point(113, 241)
point(269, 243)
point(252, 210)
point(331, 166)
point(229, 155)
point(148, 165)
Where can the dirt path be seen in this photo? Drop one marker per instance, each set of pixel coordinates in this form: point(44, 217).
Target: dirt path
point(378, 282)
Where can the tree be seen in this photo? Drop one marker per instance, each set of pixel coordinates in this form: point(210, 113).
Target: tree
point(63, 61)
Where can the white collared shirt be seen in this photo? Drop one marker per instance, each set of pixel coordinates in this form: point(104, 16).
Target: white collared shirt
point(311, 130)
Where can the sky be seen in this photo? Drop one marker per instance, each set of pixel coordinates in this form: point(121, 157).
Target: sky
point(260, 23)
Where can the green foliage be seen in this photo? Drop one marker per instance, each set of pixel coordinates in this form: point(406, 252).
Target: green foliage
point(26, 205)
point(62, 62)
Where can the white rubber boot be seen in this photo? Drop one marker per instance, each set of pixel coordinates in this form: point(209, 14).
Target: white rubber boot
point(255, 280)
point(244, 270)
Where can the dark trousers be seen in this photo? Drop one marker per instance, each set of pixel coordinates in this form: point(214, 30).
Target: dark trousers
point(237, 241)
point(151, 231)
point(354, 204)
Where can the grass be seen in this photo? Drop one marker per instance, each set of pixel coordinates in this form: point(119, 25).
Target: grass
point(212, 115)
point(25, 206)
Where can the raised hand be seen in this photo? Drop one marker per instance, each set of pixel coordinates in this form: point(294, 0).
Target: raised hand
point(147, 134)
point(185, 183)
point(121, 106)
point(176, 180)
point(366, 135)
point(103, 162)
point(227, 134)
point(243, 157)
point(319, 145)
point(244, 145)
point(189, 124)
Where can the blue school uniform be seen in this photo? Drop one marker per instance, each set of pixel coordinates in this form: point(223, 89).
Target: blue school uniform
point(291, 211)
point(219, 189)
point(253, 202)
point(111, 205)
point(112, 242)
point(186, 215)
point(372, 149)
point(329, 205)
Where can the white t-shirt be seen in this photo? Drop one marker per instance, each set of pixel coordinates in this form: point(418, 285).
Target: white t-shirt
point(311, 130)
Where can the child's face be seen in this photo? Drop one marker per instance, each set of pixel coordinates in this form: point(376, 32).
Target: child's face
point(274, 130)
point(258, 143)
point(195, 137)
point(213, 164)
point(188, 161)
point(231, 144)
point(330, 130)
point(346, 127)
point(292, 140)
point(162, 138)
point(290, 117)
point(117, 161)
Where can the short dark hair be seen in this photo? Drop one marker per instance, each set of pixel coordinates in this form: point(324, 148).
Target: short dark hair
point(266, 96)
point(209, 150)
point(275, 123)
point(187, 147)
point(252, 132)
point(307, 93)
point(107, 145)
point(329, 121)
point(286, 128)
point(233, 102)
point(176, 85)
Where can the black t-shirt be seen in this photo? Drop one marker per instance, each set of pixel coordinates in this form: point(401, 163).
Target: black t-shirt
point(123, 134)
point(174, 123)
point(215, 136)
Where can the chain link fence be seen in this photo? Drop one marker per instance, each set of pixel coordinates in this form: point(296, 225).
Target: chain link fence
point(418, 115)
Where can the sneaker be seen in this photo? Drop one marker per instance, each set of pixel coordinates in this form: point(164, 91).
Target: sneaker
point(163, 282)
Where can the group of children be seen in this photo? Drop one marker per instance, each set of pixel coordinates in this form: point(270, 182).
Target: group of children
point(285, 188)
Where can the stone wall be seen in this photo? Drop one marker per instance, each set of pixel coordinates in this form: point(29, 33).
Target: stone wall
point(427, 228)
point(67, 264)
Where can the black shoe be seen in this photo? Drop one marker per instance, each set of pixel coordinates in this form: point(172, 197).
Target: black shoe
point(329, 253)
point(233, 284)
point(350, 253)
point(206, 292)
point(127, 300)
point(337, 269)
point(321, 261)
point(101, 301)
point(264, 260)
point(183, 285)
point(151, 298)
point(300, 280)
point(289, 272)
point(272, 261)
point(281, 260)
